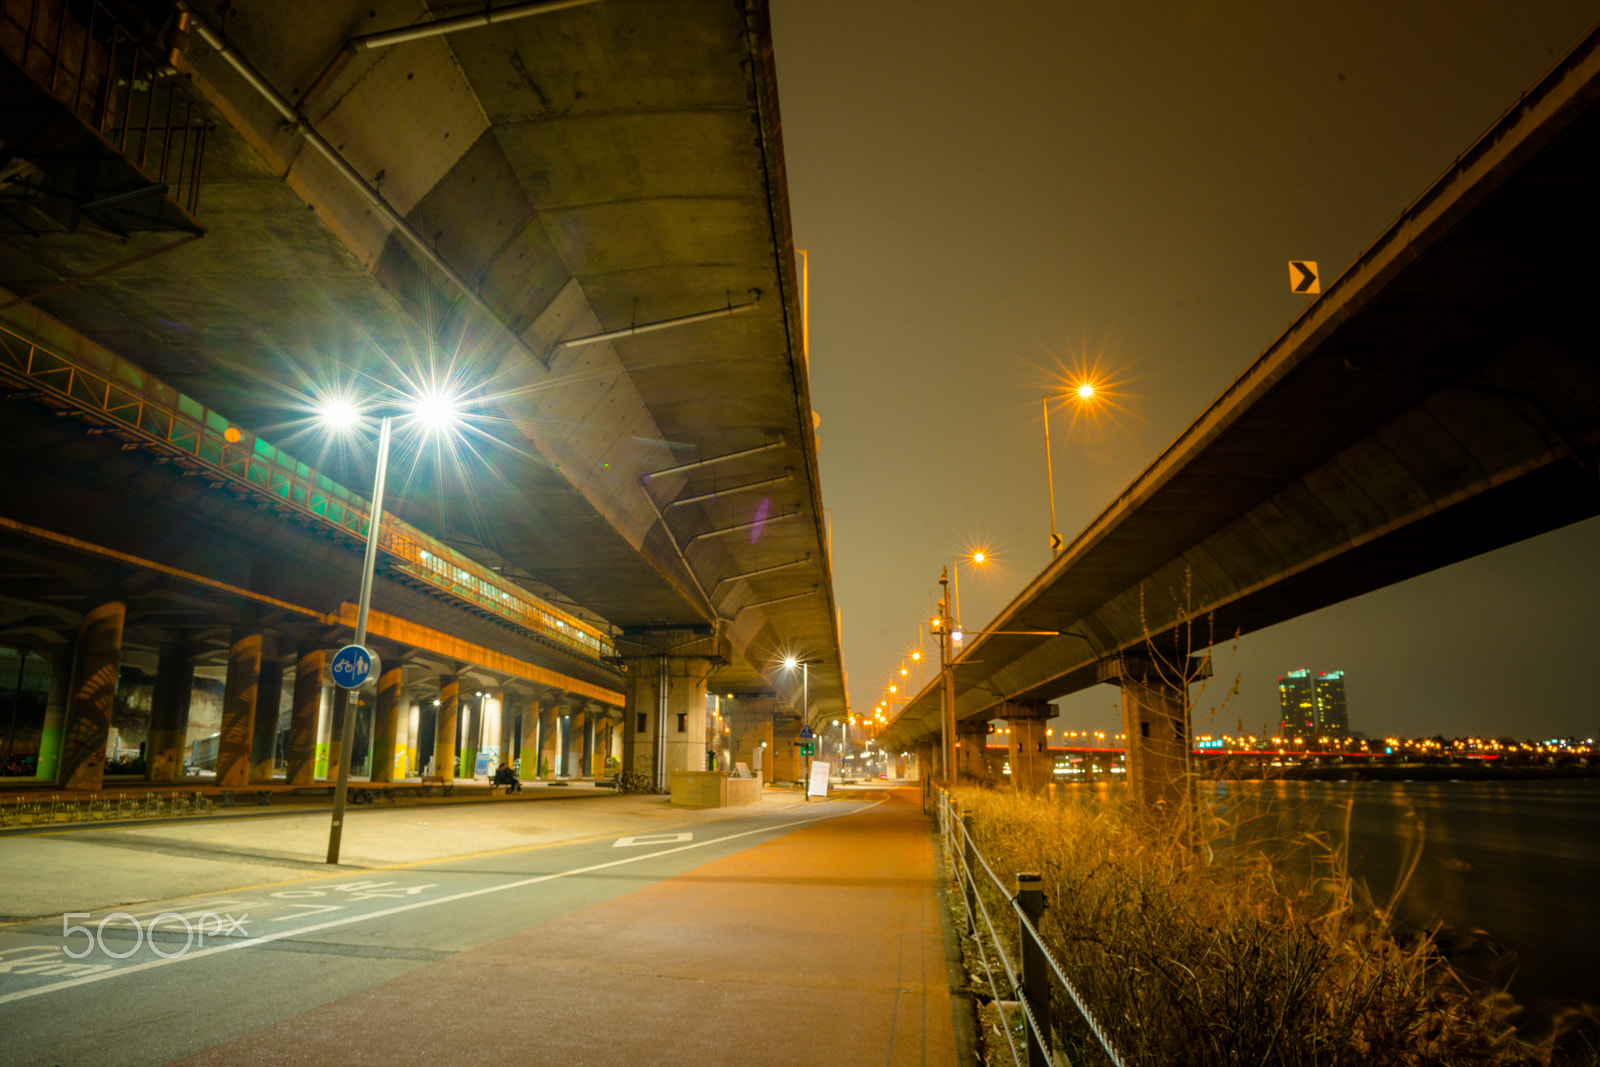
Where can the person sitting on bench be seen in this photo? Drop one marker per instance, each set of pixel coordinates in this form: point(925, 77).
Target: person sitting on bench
point(506, 777)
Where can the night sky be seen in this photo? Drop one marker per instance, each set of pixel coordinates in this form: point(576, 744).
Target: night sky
point(994, 195)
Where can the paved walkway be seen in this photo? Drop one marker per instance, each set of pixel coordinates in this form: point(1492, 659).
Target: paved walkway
point(821, 947)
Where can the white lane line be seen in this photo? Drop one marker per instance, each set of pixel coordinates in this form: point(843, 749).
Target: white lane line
point(232, 946)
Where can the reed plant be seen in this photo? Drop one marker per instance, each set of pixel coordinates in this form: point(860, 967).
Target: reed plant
point(1192, 953)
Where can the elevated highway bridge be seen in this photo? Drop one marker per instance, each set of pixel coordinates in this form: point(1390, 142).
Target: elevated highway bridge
point(573, 212)
point(1439, 400)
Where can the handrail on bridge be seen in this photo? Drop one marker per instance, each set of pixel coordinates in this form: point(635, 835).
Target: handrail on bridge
point(72, 374)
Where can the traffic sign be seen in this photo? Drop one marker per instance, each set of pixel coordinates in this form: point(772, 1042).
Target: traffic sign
point(353, 666)
point(806, 734)
point(1303, 276)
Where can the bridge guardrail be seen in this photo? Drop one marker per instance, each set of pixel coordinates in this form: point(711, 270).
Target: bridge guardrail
point(1030, 980)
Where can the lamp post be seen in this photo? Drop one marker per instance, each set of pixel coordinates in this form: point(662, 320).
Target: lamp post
point(340, 413)
point(363, 604)
point(790, 663)
point(950, 635)
point(941, 623)
point(1083, 392)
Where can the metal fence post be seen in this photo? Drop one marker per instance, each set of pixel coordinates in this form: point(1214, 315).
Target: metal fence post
point(1035, 965)
point(969, 880)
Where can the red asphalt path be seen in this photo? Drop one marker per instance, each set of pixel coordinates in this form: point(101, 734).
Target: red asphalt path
point(823, 946)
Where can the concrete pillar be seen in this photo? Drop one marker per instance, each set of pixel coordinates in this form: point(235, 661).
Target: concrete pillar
point(590, 716)
point(925, 755)
point(385, 723)
point(269, 697)
point(239, 711)
point(304, 715)
point(506, 728)
point(577, 727)
point(1155, 720)
point(169, 712)
point(528, 766)
point(91, 698)
point(341, 705)
point(427, 717)
point(787, 763)
point(972, 743)
point(55, 716)
point(444, 728)
point(1032, 766)
point(413, 732)
point(671, 731)
point(471, 733)
point(550, 735)
point(751, 735)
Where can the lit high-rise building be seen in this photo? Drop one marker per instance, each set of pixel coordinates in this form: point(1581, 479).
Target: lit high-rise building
point(1332, 718)
point(1312, 706)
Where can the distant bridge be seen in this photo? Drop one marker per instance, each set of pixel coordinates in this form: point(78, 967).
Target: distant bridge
point(1441, 399)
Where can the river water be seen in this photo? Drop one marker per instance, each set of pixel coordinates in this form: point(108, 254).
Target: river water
point(1518, 861)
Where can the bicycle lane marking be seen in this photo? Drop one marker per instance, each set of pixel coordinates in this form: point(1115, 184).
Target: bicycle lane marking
point(232, 945)
point(127, 936)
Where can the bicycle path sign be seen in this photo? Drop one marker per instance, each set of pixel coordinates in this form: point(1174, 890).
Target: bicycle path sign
point(353, 666)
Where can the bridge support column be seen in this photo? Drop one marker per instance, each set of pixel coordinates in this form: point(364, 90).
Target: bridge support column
point(590, 714)
point(444, 727)
point(788, 765)
point(1156, 722)
point(169, 710)
point(750, 724)
point(471, 706)
point(528, 766)
point(55, 716)
point(549, 751)
point(234, 746)
point(385, 724)
point(92, 698)
point(413, 732)
point(339, 706)
point(1032, 767)
point(972, 743)
point(666, 701)
point(572, 761)
point(304, 714)
point(264, 723)
point(507, 733)
point(926, 757)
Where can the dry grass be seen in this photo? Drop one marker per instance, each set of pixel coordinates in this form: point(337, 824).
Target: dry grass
point(1187, 957)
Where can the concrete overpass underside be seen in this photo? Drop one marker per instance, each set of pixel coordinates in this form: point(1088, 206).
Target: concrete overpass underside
point(575, 212)
point(1440, 400)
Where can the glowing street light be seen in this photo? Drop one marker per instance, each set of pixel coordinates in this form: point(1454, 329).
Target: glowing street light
point(434, 411)
point(1082, 394)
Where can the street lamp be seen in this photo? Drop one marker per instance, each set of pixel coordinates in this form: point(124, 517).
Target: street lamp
point(434, 411)
point(950, 635)
point(1083, 393)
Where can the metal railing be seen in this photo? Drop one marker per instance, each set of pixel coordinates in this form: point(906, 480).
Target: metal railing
point(72, 374)
point(1027, 983)
point(96, 807)
point(87, 59)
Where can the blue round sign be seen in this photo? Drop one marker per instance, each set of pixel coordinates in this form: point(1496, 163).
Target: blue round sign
point(353, 666)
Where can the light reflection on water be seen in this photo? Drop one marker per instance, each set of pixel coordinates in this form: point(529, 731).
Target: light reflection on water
point(1517, 860)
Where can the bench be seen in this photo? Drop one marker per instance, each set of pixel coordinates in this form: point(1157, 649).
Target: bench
point(430, 780)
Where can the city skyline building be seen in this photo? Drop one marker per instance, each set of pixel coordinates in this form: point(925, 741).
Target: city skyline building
point(1313, 706)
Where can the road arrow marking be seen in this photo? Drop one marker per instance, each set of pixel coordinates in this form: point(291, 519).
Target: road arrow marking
point(651, 839)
